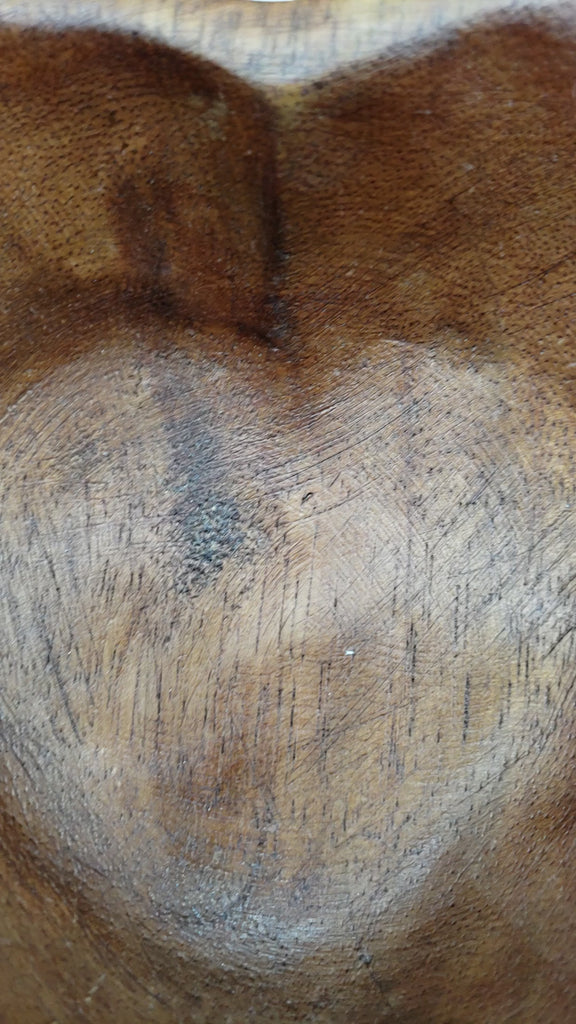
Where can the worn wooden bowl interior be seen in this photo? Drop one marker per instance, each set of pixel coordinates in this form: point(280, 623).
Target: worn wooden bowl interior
point(288, 527)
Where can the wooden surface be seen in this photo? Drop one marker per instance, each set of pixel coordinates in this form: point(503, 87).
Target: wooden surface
point(273, 42)
point(288, 534)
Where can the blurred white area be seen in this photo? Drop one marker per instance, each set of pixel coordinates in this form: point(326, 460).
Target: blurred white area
point(274, 40)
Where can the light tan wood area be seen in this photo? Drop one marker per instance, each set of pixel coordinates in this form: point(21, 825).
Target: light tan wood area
point(288, 521)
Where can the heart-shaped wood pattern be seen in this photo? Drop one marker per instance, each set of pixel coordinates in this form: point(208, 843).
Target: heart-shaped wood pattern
point(288, 534)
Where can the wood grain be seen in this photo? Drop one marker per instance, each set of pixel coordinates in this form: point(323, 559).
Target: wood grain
point(271, 42)
point(287, 546)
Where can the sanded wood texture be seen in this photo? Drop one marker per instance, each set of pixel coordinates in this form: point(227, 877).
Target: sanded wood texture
point(288, 518)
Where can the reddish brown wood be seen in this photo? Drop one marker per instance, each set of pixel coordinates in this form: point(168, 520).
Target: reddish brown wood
point(287, 551)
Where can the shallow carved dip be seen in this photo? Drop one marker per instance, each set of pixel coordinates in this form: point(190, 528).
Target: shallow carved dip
point(288, 520)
